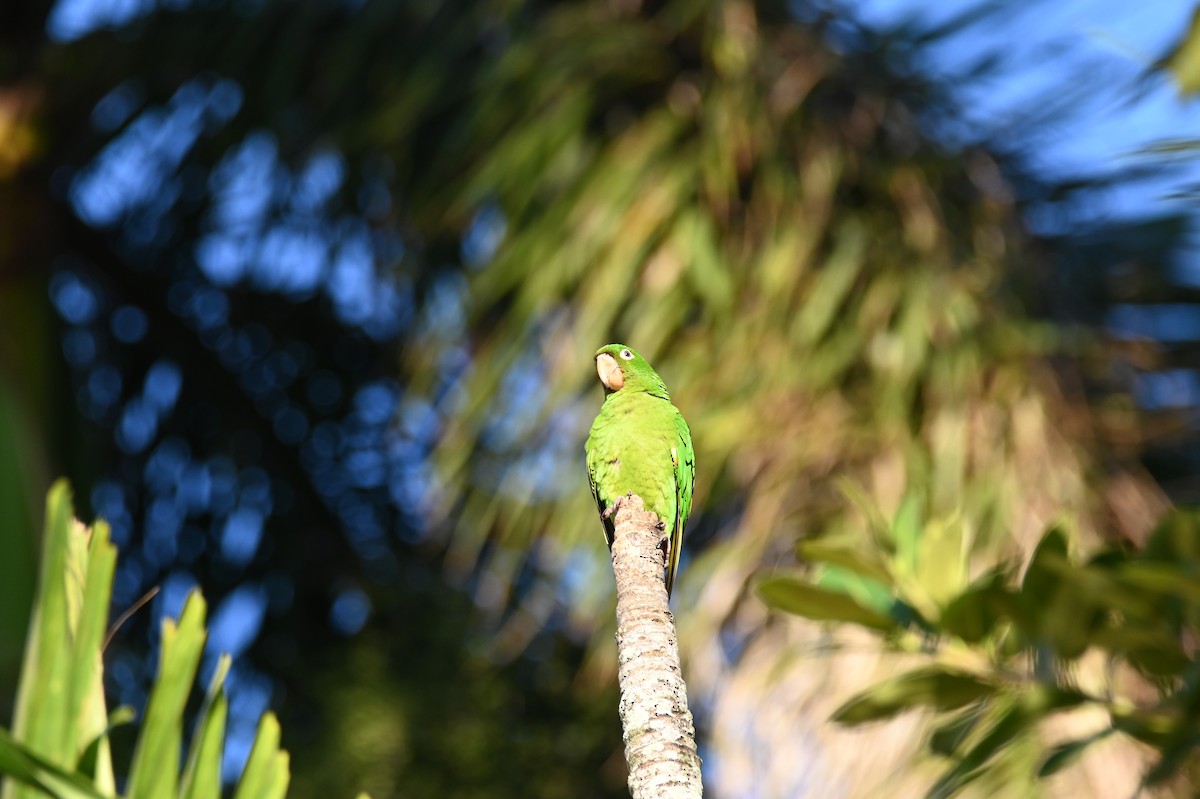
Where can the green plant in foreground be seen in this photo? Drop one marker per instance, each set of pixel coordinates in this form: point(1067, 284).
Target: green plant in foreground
point(1005, 656)
point(59, 742)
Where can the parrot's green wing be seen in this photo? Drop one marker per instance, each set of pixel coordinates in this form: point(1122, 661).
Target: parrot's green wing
point(609, 527)
point(684, 459)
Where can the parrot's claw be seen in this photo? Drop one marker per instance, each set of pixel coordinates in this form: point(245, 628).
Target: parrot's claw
point(664, 545)
point(612, 509)
point(660, 527)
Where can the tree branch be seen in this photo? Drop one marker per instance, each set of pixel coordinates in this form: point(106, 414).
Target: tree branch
point(660, 738)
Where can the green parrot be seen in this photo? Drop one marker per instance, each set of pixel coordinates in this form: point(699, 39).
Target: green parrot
point(640, 443)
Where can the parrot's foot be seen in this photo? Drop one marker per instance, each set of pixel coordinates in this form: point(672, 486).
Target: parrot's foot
point(664, 545)
point(612, 509)
point(660, 527)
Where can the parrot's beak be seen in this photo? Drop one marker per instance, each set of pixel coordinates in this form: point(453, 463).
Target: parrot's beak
point(610, 373)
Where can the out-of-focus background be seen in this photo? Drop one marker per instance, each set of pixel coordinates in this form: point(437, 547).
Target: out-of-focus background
point(302, 297)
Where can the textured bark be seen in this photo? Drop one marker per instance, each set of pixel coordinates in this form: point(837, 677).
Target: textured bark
point(660, 738)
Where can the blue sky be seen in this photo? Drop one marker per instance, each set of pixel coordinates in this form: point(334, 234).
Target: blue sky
point(1100, 49)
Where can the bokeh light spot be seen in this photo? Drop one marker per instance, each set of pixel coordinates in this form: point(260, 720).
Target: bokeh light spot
point(164, 380)
point(237, 620)
point(75, 301)
point(241, 535)
point(349, 611)
point(138, 426)
point(129, 324)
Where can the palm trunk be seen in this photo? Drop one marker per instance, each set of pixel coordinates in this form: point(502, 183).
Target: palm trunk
point(660, 739)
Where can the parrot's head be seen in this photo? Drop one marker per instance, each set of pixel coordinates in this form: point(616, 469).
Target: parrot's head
point(621, 368)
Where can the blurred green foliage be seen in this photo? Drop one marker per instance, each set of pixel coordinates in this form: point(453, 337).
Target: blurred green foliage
point(1005, 655)
point(59, 745)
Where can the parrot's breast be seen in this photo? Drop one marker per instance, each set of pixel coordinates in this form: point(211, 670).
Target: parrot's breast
point(631, 448)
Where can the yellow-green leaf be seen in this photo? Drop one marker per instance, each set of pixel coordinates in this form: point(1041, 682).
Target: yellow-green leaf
point(266, 774)
point(795, 596)
point(202, 774)
point(22, 764)
point(933, 687)
point(860, 561)
point(155, 770)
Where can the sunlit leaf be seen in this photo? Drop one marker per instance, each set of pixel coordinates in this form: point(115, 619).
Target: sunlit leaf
point(20, 763)
point(975, 613)
point(1171, 580)
point(1017, 714)
point(266, 775)
point(155, 770)
point(87, 705)
point(941, 568)
point(906, 532)
point(1061, 602)
point(867, 592)
point(96, 760)
point(41, 718)
point(795, 596)
point(202, 773)
point(1012, 722)
point(947, 737)
point(860, 561)
point(932, 687)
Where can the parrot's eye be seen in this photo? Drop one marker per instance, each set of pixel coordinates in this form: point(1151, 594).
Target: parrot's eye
point(627, 355)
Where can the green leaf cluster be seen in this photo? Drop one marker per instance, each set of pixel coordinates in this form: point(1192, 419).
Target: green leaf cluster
point(59, 744)
point(1001, 648)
